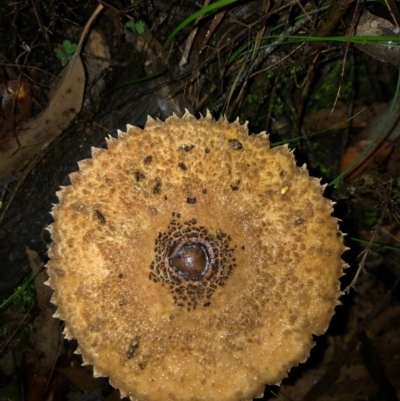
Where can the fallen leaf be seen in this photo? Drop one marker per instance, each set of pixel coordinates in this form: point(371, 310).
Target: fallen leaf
point(65, 101)
point(373, 159)
point(96, 55)
point(45, 337)
point(380, 150)
point(336, 118)
point(371, 25)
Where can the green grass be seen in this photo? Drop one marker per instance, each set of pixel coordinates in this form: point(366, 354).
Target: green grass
point(24, 296)
point(203, 11)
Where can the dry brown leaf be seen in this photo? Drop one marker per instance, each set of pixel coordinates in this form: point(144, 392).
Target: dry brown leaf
point(45, 337)
point(45, 334)
point(338, 118)
point(65, 101)
point(371, 25)
point(373, 159)
point(382, 148)
point(96, 54)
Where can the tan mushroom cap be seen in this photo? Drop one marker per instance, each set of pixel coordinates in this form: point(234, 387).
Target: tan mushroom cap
point(191, 261)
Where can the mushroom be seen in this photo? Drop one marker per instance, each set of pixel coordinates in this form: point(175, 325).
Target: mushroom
point(191, 261)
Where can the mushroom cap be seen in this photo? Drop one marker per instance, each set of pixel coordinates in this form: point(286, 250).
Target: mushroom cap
point(191, 261)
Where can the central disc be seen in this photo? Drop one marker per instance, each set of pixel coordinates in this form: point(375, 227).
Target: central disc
point(191, 260)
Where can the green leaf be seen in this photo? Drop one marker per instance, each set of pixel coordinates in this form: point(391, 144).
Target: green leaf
point(66, 44)
point(72, 49)
point(130, 25)
point(62, 57)
point(139, 26)
point(135, 26)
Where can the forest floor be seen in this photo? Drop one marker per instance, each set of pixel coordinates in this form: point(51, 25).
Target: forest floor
point(320, 76)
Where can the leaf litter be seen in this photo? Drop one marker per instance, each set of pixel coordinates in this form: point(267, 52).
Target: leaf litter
point(20, 150)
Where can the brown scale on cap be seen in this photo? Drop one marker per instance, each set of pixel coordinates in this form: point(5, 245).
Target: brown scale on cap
point(191, 261)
